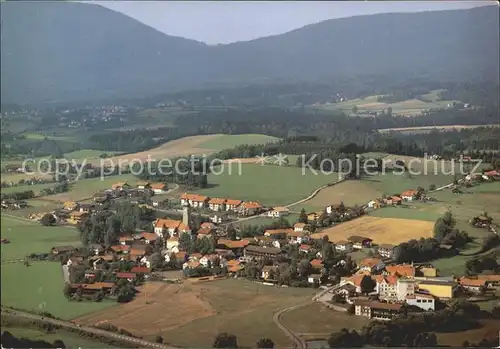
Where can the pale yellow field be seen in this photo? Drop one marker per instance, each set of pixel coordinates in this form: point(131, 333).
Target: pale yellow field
point(381, 230)
point(430, 128)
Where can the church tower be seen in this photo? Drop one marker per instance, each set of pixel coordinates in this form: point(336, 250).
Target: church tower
point(186, 213)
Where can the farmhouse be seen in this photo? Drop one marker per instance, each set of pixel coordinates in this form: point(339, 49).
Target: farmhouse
point(297, 237)
point(409, 195)
point(148, 238)
point(385, 250)
point(61, 249)
point(158, 188)
point(358, 242)
point(492, 174)
point(237, 247)
point(340, 208)
point(343, 246)
point(262, 252)
point(374, 204)
point(401, 270)
point(299, 226)
point(376, 310)
point(473, 285)
point(393, 200)
point(277, 233)
point(232, 205)
point(278, 211)
point(143, 185)
point(120, 186)
point(313, 216)
point(317, 263)
point(92, 288)
point(371, 265)
point(216, 204)
point(197, 201)
point(70, 205)
point(170, 226)
point(250, 208)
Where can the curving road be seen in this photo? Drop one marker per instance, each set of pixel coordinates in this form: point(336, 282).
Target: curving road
point(140, 343)
point(298, 342)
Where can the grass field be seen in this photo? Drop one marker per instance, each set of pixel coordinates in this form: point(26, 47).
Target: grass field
point(86, 188)
point(39, 286)
point(195, 145)
point(88, 154)
point(380, 230)
point(270, 185)
point(475, 200)
point(26, 237)
point(350, 192)
point(71, 340)
point(291, 218)
point(231, 141)
point(197, 311)
point(318, 322)
point(370, 104)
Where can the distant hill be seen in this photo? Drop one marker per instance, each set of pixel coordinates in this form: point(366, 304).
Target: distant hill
point(73, 51)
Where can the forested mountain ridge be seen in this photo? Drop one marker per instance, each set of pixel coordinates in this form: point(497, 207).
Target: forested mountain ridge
point(73, 51)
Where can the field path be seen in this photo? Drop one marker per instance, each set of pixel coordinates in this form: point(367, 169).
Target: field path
point(298, 341)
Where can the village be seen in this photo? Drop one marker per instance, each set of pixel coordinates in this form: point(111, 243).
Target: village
point(174, 250)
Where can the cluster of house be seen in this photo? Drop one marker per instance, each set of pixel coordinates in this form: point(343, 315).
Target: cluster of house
point(243, 208)
point(13, 204)
point(73, 212)
point(408, 195)
point(414, 285)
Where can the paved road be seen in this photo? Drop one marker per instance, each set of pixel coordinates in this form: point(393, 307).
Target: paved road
point(140, 343)
point(309, 197)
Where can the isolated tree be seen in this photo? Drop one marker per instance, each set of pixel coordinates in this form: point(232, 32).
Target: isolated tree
point(355, 109)
point(265, 343)
point(225, 340)
point(67, 290)
point(231, 232)
point(432, 187)
point(303, 216)
point(48, 219)
point(156, 260)
point(304, 268)
point(159, 339)
point(367, 284)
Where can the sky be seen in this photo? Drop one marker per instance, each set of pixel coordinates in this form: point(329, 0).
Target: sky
point(215, 22)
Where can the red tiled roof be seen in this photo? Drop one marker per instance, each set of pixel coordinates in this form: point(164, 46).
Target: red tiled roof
point(410, 192)
point(158, 186)
point(149, 236)
point(464, 281)
point(194, 197)
point(401, 270)
point(251, 205)
point(369, 262)
point(144, 270)
point(305, 247)
point(233, 202)
point(216, 201)
point(120, 248)
point(126, 238)
point(299, 225)
point(125, 275)
point(317, 263)
point(233, 244)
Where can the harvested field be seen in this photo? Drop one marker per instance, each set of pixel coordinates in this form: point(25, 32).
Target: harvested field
point(380, 230)
point(350, 192)
point(179, 147)
point(159, 306)
point(191, 315)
